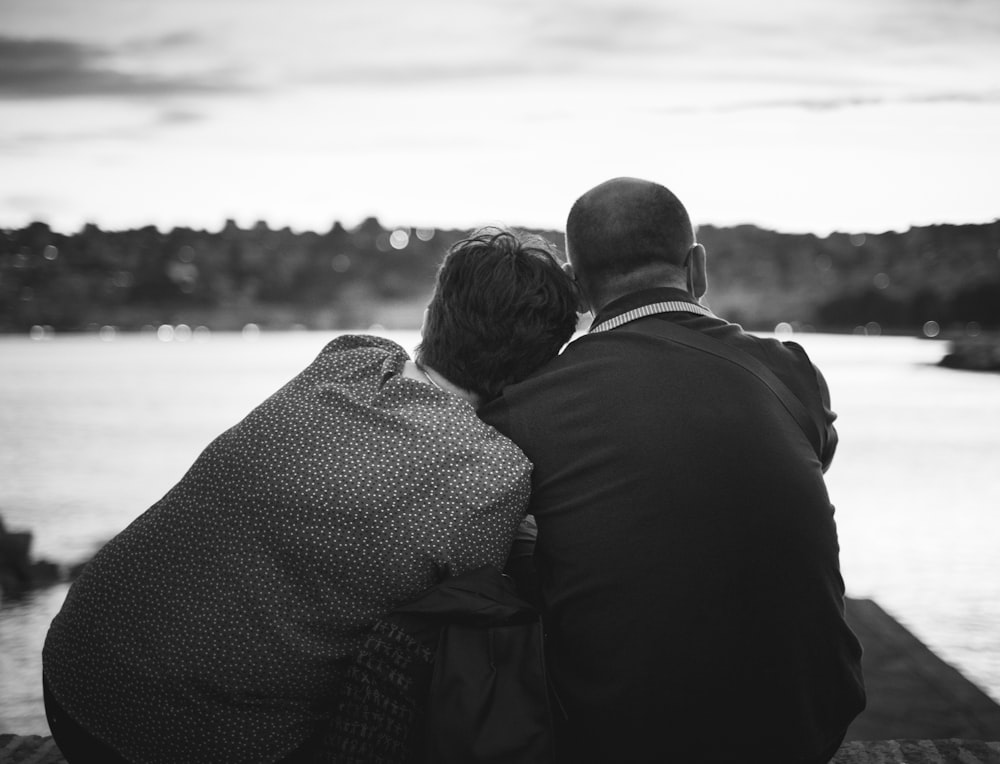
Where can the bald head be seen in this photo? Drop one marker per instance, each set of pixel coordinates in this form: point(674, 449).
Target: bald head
point(628, 231)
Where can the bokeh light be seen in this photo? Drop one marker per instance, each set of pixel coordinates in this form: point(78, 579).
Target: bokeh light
point(399, 239)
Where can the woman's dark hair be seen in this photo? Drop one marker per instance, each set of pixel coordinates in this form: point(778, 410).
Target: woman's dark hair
point(502, 307)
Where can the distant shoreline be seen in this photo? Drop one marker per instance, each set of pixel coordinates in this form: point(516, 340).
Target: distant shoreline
point(946, 277)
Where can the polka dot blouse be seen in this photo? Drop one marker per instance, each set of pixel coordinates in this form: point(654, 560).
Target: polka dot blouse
point(216, 626)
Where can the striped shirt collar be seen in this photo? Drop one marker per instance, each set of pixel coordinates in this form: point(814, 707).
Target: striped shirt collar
point(648, 303)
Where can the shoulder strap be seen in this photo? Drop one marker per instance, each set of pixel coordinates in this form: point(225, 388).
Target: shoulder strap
point(697, 340)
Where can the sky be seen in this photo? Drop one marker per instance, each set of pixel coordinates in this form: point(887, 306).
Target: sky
point(812, 116)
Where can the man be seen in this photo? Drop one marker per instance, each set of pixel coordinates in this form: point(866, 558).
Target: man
point(687, 555)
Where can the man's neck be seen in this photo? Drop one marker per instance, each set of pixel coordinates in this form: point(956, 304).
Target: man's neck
point(635, 298)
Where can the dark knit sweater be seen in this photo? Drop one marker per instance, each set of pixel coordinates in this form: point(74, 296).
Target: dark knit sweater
point(687, 552)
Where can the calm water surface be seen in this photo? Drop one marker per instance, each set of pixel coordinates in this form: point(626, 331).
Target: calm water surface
point(92, 432)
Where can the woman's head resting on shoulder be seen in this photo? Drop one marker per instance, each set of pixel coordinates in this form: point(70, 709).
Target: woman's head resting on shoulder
point(502, 307)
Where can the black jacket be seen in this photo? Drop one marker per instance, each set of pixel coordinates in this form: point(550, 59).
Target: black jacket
point(687, 552)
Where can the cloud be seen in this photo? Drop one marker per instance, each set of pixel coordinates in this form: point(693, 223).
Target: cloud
point(120, 131)
point(180, 117)
point(402, 73)
point(55, 68)
point(834, 103)
point(529, 42)
point(33, 139)
point(594, 29)
point(165, 42)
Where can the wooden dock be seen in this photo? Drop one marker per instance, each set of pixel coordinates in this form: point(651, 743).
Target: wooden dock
point(912, 693)
point(920, 709)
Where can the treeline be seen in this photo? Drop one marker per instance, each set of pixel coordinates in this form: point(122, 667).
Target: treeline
point(897, 282)
point(353, 278)
point(223, 280)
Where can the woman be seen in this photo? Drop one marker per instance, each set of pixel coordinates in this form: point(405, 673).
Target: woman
point(218, 625)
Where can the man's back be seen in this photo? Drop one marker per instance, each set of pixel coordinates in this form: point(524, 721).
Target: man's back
point(687, 552)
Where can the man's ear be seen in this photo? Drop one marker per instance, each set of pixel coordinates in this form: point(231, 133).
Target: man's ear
point(697, 272)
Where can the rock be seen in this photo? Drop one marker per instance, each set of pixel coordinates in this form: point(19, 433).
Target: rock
point(980, 352)
point(15, 562)
point(18, 572)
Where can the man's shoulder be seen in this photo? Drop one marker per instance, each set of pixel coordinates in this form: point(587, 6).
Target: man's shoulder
point(771, 350)
point(563, 368)
point(549, 386)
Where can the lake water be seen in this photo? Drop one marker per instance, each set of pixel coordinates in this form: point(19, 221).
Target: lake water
point(94, 431)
